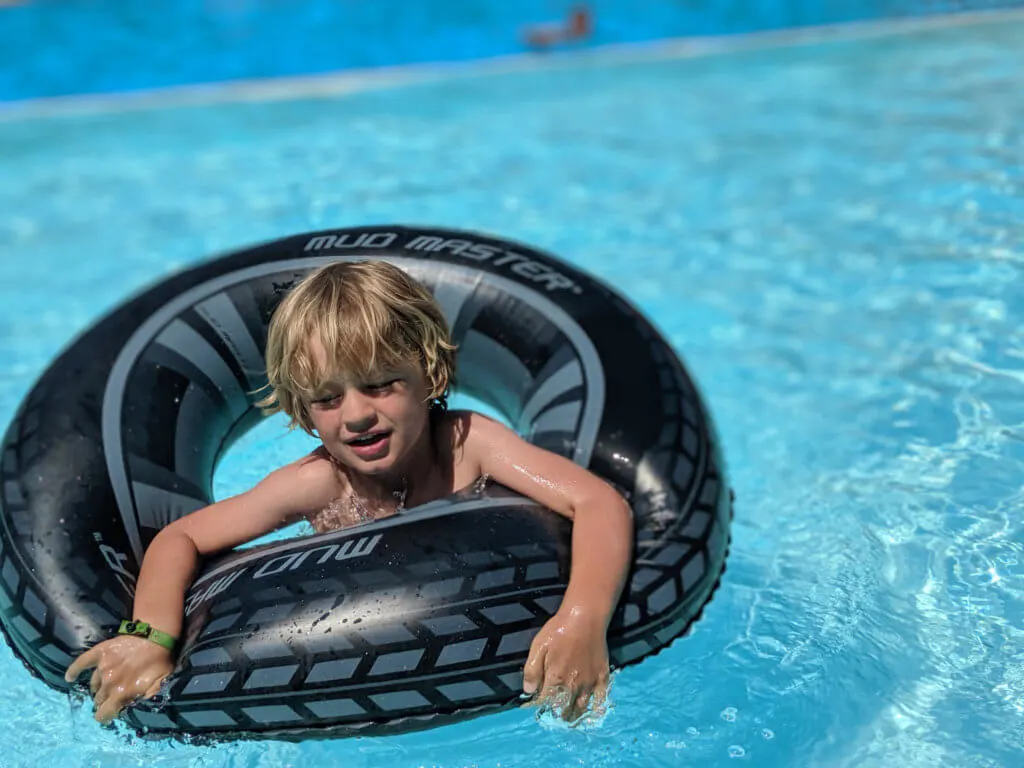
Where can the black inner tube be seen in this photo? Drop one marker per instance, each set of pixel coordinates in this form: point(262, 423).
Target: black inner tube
point(122, 433)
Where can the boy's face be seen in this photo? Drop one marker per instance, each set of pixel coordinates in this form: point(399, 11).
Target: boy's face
point(374, 425)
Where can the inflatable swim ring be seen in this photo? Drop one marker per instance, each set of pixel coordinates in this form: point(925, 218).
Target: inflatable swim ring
point(414, 620)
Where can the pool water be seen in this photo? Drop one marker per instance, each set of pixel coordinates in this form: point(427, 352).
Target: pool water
point(831, 234)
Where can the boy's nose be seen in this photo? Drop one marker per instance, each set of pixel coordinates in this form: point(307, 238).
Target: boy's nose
point(359, 414)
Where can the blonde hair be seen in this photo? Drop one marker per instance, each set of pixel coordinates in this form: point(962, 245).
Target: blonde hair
point(367, 316)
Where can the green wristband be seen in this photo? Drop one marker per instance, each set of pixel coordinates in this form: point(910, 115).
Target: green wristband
point(144, 630)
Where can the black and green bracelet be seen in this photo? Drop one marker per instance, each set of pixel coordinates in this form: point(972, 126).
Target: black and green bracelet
point(142, 629)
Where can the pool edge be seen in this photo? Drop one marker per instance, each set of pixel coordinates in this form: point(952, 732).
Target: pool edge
point(345, 82)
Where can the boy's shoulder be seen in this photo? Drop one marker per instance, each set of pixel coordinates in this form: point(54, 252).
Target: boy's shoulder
point(302, 486)
point(467, 428)
point(315, 463)
point(315, 471)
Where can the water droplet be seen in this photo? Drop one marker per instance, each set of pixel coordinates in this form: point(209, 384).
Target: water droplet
point(481, 483)
point(729, 714)
point(737, 751)
point(768, 733)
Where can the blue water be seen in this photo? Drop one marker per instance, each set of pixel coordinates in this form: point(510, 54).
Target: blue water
point(830, 234)
point(60, 47)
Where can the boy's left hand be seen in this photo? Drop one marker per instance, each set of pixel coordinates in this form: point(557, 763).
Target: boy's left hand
point(568, 663)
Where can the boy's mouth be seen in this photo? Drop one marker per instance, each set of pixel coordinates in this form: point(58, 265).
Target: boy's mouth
point(370, 444)
point(368, 439)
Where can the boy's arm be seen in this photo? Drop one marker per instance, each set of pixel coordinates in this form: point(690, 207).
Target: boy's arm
point(127, 667)
point(570, 652)
point(173, 557)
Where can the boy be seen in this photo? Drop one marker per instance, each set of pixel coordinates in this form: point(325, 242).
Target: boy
point(359, 356)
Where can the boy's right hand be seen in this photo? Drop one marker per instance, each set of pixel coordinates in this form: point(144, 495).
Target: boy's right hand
point(124, 669)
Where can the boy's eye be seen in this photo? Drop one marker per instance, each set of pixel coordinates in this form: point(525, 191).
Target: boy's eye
point(325, 400)
point(379, 385)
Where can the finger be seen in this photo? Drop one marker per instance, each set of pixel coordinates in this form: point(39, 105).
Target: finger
point(533, 672)
point(95, 681)
point(110, 700)
point(78, 666)
point(554, 692)
point(579, 705)
point(102, 693)
point(154, 689)
point(110, 707)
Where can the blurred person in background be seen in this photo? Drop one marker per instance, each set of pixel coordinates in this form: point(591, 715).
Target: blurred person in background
point(579, 25)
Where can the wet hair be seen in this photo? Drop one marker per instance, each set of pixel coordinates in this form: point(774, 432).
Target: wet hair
point(369, 316)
